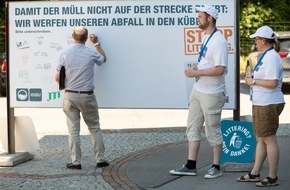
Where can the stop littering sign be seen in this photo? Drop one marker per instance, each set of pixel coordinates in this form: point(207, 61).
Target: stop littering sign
point(239, 142)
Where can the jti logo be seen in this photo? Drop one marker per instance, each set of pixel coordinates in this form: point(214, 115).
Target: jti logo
point(53, 95)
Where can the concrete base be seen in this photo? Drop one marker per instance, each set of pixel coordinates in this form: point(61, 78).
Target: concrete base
point(7, 160)
point(237, 167)
point(247, 118)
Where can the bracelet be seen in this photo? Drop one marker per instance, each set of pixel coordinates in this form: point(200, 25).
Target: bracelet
point(97, 44)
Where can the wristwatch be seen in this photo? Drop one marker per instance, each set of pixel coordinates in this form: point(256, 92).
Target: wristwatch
point(97, 44)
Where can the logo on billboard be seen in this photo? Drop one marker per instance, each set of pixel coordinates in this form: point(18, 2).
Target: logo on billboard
point(25, 94)
point(53, 95)
point(22, 94)
point(193, 39)
point(35, 95)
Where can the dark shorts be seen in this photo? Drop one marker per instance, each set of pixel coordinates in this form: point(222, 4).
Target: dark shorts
point(266, 119)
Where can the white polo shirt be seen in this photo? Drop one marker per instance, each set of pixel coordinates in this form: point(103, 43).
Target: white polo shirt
point(270, 69)
point(215, 54)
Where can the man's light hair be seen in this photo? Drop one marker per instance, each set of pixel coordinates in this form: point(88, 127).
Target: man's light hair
point(80, 34)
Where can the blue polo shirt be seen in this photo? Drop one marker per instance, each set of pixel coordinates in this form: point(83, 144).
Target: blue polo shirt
point(79, 62)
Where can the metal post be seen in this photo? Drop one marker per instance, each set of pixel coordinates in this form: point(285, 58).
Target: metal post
point(10, 112)
point(236, 114)
point(12, 158)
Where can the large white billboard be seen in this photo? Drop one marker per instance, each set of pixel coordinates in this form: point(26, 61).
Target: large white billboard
point(148, 45)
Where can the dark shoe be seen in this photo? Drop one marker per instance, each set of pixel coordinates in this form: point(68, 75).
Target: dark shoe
point(102, 164)
point(249, 178)
point(72, 166)
point(267, 182)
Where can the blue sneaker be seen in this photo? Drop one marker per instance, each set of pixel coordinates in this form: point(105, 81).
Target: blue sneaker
point(213, 173)
point(183, 171)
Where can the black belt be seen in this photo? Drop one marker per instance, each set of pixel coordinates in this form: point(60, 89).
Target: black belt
point(80, 92)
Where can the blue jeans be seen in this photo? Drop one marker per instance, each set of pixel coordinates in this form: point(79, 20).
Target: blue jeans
point(73, 105)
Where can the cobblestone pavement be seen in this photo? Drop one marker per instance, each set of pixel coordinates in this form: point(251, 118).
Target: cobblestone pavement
point(47, 170)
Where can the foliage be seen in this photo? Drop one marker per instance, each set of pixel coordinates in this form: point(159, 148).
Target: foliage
point(254, 14)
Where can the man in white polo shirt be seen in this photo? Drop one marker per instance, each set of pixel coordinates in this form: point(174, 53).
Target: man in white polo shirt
point(208, 95)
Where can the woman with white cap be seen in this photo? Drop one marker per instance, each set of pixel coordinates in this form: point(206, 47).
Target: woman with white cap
point(268, 103)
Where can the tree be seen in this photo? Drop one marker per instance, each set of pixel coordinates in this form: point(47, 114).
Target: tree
point(254, 14)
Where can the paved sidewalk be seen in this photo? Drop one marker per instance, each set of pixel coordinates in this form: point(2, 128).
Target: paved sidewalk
point(141, 145)
point(140, 159)
point(150, 170)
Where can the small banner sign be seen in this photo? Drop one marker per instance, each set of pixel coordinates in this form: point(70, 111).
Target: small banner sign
point(239, 142)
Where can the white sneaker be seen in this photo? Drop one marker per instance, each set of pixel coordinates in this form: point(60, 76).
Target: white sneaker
point(213, 173)
point(183, 171)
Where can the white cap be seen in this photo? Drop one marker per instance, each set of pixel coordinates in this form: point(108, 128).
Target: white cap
point(209, 10)
point(264, 32)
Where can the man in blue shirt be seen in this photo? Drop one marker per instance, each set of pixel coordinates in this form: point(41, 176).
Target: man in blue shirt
point(79, 97)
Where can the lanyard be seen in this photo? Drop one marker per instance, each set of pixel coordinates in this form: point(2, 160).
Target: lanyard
point(203, 46)
point(259, 63)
